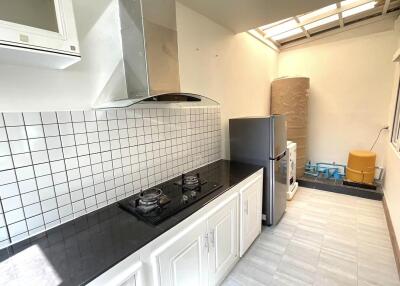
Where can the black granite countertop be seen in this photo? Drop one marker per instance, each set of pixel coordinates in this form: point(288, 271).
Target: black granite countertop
point(78, 251)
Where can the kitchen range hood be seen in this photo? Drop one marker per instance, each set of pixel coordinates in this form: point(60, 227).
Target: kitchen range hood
point(149, 70)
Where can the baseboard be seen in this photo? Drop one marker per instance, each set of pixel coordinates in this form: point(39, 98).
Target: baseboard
point(393, 238)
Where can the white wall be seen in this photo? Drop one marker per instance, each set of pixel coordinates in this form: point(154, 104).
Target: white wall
point(392, 164)
point(351, 82)
point(236, 70)
point(39, 89)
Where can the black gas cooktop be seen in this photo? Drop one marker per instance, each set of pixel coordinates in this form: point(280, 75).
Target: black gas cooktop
point(153, 206)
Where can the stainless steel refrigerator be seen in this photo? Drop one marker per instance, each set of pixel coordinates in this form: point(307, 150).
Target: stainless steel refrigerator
point(262, 141)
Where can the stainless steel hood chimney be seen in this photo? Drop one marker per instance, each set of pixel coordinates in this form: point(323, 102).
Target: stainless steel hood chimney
point(150, 66)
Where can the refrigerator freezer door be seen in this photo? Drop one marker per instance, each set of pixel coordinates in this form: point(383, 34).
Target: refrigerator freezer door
point(279, 131)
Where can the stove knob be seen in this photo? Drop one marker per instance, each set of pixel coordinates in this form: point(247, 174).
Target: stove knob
point(185, 199)
point(193, 194)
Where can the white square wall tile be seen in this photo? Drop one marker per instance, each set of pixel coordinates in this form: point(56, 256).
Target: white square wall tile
point(14, 216)
point(19, 146)
point(35, 222)
point(13, 119)
point(55, 155)
point(34, 131)
point(38, 144)
point(3, 234)
point(90, 115)
point(3, 134)
point(65, 210)
point(6, 163)
point(11, 203)
point(4, 149)
point(27, 186)
point(61, 189)
point(22, 160)
point(77, 116)
point(40, 157)
point(44, 182)
point(64, 117)
point(46, 193)
point(53, 142)
point(66, 129)
point(32, 118)
point(59, 178)
point(16, 133)
point(51, 130)
point(57, 166)
point(42, 169)
point(49, 117)
point(51, 216)
point(30, 198)
point(9, 190)
point(17, 228)
point(49, 205)
point(32, 210)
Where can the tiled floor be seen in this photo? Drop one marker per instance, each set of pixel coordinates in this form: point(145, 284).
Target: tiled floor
point(323, 239)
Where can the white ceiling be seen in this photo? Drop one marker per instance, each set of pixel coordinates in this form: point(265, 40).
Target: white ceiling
point(243, 15)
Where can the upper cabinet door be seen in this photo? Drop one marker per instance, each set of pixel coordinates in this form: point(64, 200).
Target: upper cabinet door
point(41, 25)
point(224, 241)
point(250, 213)
point(184, 260)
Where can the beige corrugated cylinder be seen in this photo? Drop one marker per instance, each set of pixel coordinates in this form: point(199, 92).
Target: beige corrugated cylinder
point(289, 96)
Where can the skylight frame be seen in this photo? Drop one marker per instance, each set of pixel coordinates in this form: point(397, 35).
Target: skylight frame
point(322, 20)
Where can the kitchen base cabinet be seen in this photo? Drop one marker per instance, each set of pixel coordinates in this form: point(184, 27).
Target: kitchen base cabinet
point(202, 249)
point(205, 254)
point(184, 261)
point(224, 244)
point(250, 212)
point(126, 273)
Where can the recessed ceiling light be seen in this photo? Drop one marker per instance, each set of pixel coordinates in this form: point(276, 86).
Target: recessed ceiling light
point(317, 12)
point(281, 28)
point(321, 22)
point(287, 34)
point(359, 9)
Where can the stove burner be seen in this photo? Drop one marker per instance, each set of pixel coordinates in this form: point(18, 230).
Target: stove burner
point(191, 182)
point(150, 197)
point(157, 204)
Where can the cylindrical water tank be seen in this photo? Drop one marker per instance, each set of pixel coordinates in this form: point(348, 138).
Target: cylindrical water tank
point(289, 96)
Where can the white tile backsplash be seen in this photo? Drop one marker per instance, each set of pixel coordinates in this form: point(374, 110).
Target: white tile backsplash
point(55, 166)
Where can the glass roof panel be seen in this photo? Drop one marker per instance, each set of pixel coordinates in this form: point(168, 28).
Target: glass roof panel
point(280, 28)
point(321, 22)
point(359, 9)
point(287, 34)
point(317, 12)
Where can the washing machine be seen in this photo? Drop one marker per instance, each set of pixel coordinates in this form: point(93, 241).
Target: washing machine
point(291, 170)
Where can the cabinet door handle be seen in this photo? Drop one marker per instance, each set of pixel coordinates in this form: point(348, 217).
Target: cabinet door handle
point(212, 238)
point(246, 207)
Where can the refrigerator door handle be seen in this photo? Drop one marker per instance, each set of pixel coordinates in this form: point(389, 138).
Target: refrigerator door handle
point(278, 157)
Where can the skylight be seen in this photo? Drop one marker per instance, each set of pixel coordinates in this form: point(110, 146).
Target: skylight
point(281, 28)
point(359, 9)
point(316, 13)
point(287, 34)
point(328, 18)
point(322, 22)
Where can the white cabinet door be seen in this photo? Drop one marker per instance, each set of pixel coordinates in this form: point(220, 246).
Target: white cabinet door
point(250, 213)
point(223, 229)
point(184, 260)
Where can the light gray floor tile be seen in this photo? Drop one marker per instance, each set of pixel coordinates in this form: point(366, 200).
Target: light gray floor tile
point(323, 239)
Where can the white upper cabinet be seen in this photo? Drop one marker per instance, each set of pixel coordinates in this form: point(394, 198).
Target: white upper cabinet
point(38, 33)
